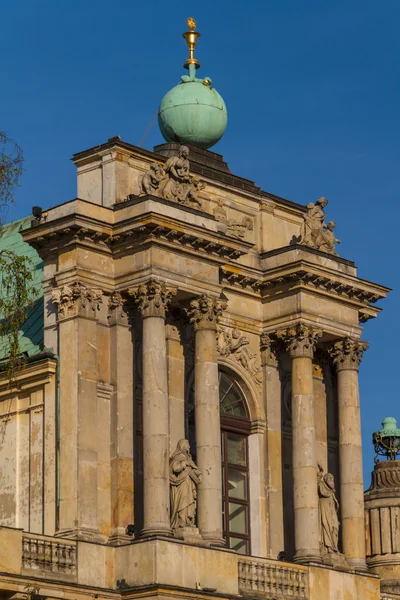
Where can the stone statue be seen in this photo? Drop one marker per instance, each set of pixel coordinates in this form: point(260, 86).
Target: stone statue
point(151, 180)
point(174, 181)
point(192, 194)
point(326, 241)
point(316, 234)
point(237, 226)
point(328, 513)
point(177, 170)
point(184, 478)
point(314, 222)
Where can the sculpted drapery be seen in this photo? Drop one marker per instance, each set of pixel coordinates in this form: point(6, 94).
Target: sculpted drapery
point(184, 477)
point(328, 513)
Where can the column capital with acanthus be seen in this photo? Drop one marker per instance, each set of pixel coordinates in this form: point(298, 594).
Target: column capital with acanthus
point(300, 339)
point(204, 312)
point(268, 349)
point(152, 298)
point(347, 353)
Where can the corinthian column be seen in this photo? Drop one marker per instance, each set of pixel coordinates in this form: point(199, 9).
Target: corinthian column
point(301, 341)
point(152, 299)
point(204, 313)
point(346, 355)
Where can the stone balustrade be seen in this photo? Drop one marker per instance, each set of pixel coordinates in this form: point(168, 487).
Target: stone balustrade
point(42, 553)
point(272, 579)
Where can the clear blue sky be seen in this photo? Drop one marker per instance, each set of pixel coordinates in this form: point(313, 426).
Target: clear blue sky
point(313, 95)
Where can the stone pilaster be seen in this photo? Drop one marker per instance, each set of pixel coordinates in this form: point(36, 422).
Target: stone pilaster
point(273, 450)
point(204, 313)
point(121, 459)
point(346, 355)
point(77, 306)
point(300, 341)
point(176, 384)
point(152, 299)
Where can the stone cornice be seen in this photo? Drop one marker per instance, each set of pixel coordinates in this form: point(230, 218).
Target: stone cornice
point(241, 278)
point(32, 375)
point(143, 225)
point(302, 275)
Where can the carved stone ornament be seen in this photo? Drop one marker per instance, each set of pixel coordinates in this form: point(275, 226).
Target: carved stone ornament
point(152, 298)
point(347, 353)
point(184, 477)
point(205, 311)
point(316, 234)
point(300, 340)
point(328, 513)
point(117, 309)
point(268, 348)
point(174, 181)
point(235, 227)
point(71, 299)
point(236, 344)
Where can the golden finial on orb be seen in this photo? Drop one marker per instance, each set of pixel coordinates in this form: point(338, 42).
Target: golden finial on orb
point(191, 38)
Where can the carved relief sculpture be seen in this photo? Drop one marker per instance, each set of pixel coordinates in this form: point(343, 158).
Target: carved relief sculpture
point(184, 477)
point(174, 181)
point(237, 344)
point(235, 227)
point(328, 512)
point(316, 234)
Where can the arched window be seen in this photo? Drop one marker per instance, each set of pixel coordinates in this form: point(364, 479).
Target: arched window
point(235, 429)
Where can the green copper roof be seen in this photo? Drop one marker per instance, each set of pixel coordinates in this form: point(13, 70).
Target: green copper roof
point(31, 333)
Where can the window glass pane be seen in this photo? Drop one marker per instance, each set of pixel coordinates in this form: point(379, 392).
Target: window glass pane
point(230, 397)
point(237, 484)
point(241, 546)
point(237, 518)
point(236, 449)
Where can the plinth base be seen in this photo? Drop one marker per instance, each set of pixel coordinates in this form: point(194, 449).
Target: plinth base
point(191, 535)
point(335, 560)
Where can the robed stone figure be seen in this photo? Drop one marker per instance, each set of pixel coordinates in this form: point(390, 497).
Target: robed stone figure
point(328, 513)
point(184, 477)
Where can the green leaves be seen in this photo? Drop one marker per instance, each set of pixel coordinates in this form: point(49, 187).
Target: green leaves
point(17, 295)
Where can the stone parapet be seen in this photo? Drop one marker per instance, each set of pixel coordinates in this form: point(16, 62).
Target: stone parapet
point(48, 565)
point(272, 579)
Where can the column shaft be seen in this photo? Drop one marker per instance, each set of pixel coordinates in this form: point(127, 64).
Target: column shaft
point(351, 474)
point(208, 436)
point(305, 485)
point(301, 341)
point(152, 299)
point(155, 428)
point(204, 313)
point(347, 356)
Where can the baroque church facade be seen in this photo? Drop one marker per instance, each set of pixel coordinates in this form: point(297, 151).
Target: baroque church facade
point(187, 421)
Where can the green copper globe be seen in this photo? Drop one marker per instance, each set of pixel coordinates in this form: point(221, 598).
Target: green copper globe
point(193, 112)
